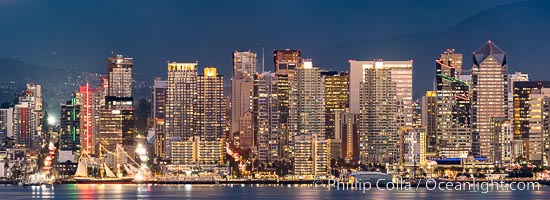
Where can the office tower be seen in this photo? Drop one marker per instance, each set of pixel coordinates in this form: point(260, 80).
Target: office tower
point(180, 98)
point(522, 90)
point(307, 102)
point(286, 61)
point(347, 131)
point(490, 94)
point(502, 141)
point(69, 123)
point(120, 76)
point(453, 129)
point(160, 90)
point(385, 105)
point(512, 79)
point(429, 103)
point(336, 97)
point(90, 106)
point(312, 155)
point(244, 68)
point(209, 108)
point(117, 124)
point(266, 117)
point(539, 120)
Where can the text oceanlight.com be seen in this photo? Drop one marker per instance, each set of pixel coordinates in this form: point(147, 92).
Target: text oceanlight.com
point(428, 184)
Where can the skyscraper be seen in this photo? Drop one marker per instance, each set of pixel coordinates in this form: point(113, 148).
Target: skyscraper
point(521, 114)
point(512, 79)
point(402, 78)
point(120, 76)
point(116, 124)
point(24, 125)
point(336, 97)
point(158, 105)
point(538, 146)
point(307, 102)
point(429, 108)
point(26, 118)
point(285, 62)
point(69, 122)
point(307, 117)
point(490, 94)
point(266, 117)
point(91, 102)
point(180, 98)
point(385, 105)
point(209, 108)
point(244, 69)
point(453, 129)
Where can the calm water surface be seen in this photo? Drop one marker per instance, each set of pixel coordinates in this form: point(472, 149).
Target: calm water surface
point(219, 192)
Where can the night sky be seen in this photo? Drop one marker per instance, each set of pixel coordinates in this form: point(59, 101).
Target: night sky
point(84, 33)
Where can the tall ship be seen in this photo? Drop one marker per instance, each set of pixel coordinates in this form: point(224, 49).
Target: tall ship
point(112, 167)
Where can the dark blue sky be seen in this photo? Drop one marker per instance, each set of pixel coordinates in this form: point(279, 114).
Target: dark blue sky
point(83, 33)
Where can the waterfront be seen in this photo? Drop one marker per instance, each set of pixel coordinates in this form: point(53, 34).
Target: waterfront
point(238, 191)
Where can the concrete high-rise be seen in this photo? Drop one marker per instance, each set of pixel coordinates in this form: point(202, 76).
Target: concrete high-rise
point(401, 77)
point(180, 99)
point(120, 78)
point(209, 108)
point(490, 95)
point(244, 69)
point(307, 102)
point(266, 117)
point(385, 105)
point(538, 146)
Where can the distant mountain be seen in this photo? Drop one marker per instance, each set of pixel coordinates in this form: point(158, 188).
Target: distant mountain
point(521, 29)
point(18, 71)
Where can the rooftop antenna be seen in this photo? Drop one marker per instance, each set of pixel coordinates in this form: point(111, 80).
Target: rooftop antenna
point(263, 60)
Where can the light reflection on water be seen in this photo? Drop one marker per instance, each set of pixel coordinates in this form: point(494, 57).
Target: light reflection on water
point(238, 191)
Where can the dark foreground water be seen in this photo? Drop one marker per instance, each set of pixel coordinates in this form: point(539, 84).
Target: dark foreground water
point(220, 192)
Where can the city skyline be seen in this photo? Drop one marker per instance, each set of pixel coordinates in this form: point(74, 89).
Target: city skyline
point(304, 95)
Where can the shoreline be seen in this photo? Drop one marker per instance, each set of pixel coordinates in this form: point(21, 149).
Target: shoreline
point(255, 182)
